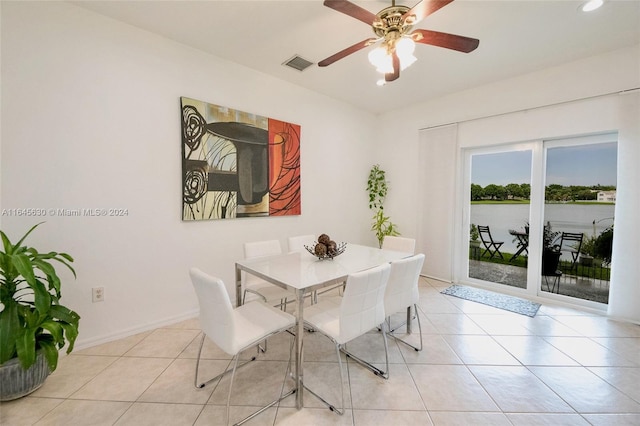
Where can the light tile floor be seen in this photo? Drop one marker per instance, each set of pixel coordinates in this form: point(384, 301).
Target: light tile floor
point(480, 365)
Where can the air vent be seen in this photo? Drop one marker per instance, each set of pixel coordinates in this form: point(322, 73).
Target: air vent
point(298, 63)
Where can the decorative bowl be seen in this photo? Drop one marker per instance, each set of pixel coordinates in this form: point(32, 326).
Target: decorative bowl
point(340, 248)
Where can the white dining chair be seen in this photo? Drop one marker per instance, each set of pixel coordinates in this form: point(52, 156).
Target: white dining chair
point(342, 319)
point(402, 294)
point(268, 292)
point(234, 330)
point(404, 244)
point(297, 243)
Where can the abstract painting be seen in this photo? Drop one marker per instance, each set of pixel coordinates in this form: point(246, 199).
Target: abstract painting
point(237, 164)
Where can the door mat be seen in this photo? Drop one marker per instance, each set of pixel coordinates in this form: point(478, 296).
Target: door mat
point(497, 300)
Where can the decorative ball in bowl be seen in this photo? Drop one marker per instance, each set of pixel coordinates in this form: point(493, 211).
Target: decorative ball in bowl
point(326, 248)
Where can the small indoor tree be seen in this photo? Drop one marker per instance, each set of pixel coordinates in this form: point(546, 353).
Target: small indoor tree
point(377, 188)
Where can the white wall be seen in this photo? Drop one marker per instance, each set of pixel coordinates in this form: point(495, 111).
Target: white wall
point(545, 99)
point(91, 118)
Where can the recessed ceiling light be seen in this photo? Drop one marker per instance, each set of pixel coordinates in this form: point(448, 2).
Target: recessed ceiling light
point(592, 5)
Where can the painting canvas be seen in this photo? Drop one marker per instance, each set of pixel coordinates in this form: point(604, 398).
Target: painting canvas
point(237, 164)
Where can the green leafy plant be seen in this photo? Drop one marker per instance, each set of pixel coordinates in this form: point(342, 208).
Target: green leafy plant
point(377, 188)
point(549, 238)
point(32, 318)
point(473, 232)
point(601, 246)
point(382, 226)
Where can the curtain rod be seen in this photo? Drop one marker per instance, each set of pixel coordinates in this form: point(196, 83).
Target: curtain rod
point(620, 92)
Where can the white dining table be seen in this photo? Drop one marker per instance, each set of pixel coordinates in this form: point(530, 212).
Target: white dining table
point(302, 273)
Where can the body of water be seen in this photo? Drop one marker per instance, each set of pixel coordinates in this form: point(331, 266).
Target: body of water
point(563, 217)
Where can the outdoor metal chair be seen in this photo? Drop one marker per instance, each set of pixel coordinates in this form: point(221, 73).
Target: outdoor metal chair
point(573, 245)
point(490, 246)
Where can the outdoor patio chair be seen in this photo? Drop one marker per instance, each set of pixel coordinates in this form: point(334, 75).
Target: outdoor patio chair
point(572, 243)
point(490, 246)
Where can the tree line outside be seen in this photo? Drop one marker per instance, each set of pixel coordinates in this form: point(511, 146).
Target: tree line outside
point(553, 192)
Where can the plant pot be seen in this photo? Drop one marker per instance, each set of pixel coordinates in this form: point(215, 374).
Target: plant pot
point(475, 243)
point(550, 260)
point(16, 382)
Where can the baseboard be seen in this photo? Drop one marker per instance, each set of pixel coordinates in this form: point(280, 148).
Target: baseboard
point(99, 340)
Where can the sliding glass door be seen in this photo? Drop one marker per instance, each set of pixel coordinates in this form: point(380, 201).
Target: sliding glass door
point(579, 211)
point(499, 204)
point(539, 216)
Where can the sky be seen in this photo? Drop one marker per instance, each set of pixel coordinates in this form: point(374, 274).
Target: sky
point(584, 165)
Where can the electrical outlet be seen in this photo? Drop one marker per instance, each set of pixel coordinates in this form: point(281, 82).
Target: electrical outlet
point(97, 294)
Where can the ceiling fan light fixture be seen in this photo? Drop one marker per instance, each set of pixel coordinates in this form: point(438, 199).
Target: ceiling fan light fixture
point(406, 61)
point(591, 5)
point(394, 27)
point(380, 58)
point(405, 47)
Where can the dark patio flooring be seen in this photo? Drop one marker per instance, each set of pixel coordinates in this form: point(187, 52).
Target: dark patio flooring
point(515, 276)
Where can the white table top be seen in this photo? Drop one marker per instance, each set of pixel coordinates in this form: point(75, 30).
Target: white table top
point(301, 270)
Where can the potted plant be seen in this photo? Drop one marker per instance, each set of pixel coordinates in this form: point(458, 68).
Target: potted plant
point(474, 235)
point(377, 188)
point(33, 324)
point(550, 250)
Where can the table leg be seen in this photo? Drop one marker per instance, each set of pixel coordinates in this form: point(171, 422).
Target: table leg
point(516, 254)
point(409, 319)
point(299, 341)
point(238, 286)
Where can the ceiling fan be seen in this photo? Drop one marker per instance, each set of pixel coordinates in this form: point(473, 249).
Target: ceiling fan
point(392, 26)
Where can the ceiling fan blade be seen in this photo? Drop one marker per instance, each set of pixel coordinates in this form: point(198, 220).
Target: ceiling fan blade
point(348, 51)
point(396, 69)
point(448, 41)
point(352, 10)
point(424, 9)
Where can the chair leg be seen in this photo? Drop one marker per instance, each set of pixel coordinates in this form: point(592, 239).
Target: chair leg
point(374, 369)
point(415, 307)
point(341, 379)
point(282, 396)
point(203, 384)
point(324, 401)
point(233, 373)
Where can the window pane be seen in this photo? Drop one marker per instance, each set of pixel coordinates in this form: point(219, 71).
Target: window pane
point(579, 209)
point(499, 211)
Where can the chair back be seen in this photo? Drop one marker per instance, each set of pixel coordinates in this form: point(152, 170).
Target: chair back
point(262, 248)
point(407, 245)
point(402, 287)
point(298, 242)
point(485, 234)
point(362, 306)
point(571, 237)
point(216, 312)
point(259, 249)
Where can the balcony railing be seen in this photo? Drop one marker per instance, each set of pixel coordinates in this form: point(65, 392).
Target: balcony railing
point(587, 282)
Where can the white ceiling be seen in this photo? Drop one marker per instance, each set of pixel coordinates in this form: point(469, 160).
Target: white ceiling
point(516, 37)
